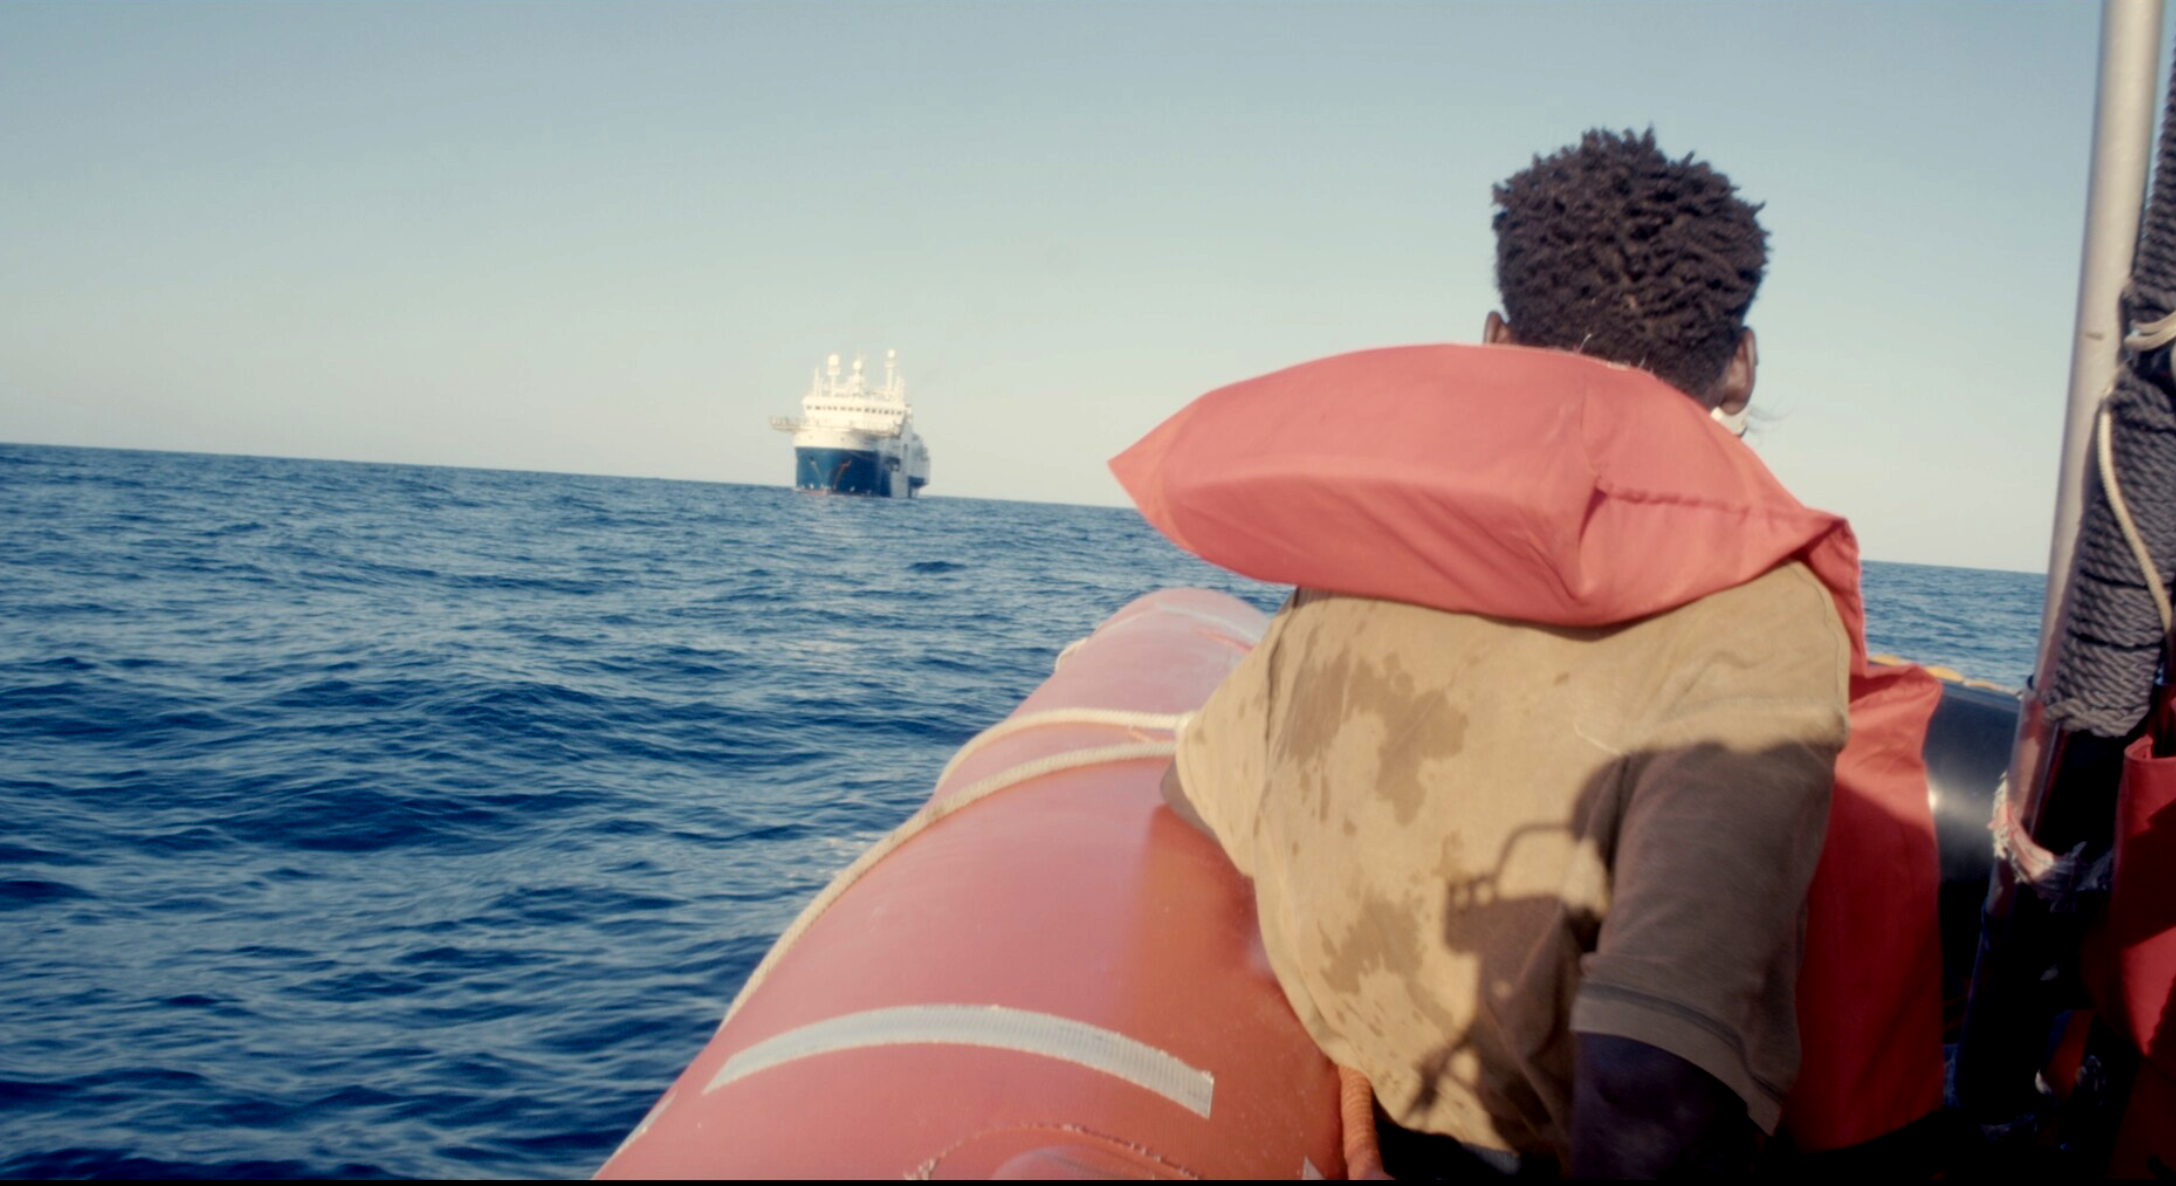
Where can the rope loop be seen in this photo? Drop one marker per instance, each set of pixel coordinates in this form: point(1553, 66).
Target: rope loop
point(2152, 335)
point(2105, 448)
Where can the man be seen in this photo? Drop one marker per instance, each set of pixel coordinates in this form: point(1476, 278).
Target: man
point(1543, 886)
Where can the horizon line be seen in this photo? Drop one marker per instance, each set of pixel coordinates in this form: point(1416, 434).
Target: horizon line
point(501, 469)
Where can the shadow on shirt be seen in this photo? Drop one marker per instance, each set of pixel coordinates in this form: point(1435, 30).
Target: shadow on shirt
point(1707, 853)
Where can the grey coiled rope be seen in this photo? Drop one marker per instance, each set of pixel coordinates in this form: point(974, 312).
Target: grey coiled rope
point(2115, 641)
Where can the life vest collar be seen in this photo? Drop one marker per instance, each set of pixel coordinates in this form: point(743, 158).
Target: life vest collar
point(1527, 484)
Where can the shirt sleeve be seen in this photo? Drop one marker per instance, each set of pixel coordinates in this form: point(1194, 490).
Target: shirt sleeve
point(1222, 751)
point(1724, 809)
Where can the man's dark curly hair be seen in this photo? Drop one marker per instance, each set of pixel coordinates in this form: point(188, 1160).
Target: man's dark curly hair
point(1614, 250)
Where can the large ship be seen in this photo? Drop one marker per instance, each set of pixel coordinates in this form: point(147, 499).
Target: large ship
point(854, 438)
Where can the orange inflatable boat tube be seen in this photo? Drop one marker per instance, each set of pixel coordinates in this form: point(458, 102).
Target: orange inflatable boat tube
point(1041, 974)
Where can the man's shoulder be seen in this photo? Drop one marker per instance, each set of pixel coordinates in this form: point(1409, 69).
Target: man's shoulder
point(1787, 603)
point(1322, 608)
point(1777, 639)
point(1790, 588)
point(1786, 608)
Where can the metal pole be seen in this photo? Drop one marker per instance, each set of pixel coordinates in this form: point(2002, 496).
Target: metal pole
point(1995, 1063)
point(2123, 114)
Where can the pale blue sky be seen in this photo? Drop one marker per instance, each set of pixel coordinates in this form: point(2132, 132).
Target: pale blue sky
point(614, 238)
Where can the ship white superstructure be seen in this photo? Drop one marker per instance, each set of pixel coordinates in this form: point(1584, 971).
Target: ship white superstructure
point(855, 437)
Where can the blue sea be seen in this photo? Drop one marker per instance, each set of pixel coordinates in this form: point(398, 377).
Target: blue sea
point(366, 820)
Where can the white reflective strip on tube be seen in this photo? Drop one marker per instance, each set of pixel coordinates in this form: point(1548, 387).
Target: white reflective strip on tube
point(991, 1026)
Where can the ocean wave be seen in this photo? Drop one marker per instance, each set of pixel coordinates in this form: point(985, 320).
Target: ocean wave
point(373, 820)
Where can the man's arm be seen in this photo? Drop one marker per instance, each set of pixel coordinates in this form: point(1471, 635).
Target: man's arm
point(1685, 1021)
point(1642, 1112)
point(1689, 996)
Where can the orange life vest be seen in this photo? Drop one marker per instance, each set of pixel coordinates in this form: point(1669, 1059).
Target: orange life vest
point(1551, 488)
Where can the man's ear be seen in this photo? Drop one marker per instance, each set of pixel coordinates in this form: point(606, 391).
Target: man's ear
point(1736, 389)
point(1496, 331)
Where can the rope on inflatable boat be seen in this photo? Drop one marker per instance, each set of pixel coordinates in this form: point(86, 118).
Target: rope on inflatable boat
point(2103, 663)
point(1118, 717)
point(969, 796)
point(2152, 335)
point(1356, 1115)
point(2059, 877)
point(2122, 512)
